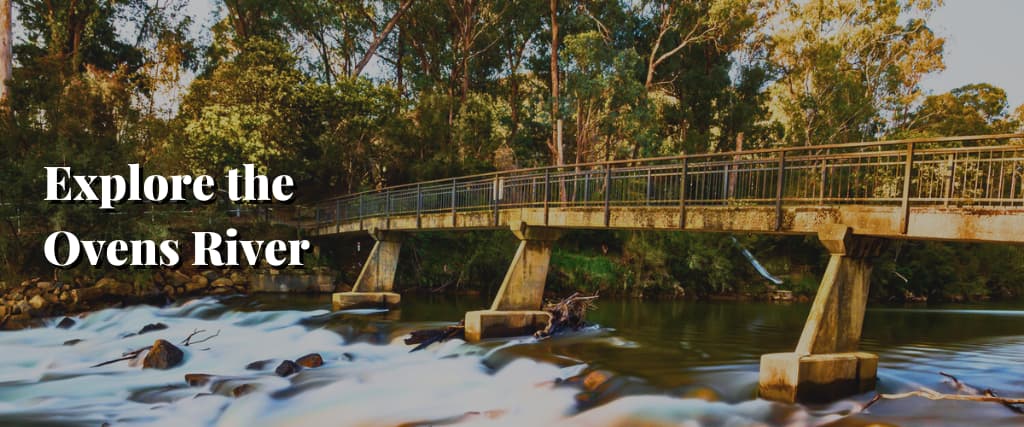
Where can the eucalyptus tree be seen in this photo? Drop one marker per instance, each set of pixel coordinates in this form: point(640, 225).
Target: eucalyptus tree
point(847, 68)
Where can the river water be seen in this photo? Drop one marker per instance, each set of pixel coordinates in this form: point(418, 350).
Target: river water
point(657, 363)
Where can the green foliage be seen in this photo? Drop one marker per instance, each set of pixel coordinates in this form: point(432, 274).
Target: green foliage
point(465, 87)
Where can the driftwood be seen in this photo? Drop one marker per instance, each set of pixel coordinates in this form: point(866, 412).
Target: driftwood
point(188, 340)
point(972, 395)
point(427, 337)
point(124, 356)
point(567, 314)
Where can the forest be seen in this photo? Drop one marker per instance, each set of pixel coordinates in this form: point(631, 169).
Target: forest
point(346, 96)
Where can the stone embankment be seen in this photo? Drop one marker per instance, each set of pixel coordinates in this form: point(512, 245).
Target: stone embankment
point(22, 305)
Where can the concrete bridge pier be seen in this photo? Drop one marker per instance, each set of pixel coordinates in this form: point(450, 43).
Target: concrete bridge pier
point(376, 282)
point(827, 364)
point(516, 308)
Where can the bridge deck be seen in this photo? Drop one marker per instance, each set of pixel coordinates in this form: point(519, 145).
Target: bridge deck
point(957, 189)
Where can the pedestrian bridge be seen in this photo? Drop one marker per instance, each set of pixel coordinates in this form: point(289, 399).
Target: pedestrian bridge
point(854, 197)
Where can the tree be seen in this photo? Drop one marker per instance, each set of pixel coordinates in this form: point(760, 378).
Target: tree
point(555, 145)
point(686, 23)
point(847, 67)
point(6, 51)
point(380, 36)
point(973, 109)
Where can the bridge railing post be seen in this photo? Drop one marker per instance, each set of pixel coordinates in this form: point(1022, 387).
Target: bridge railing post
point(453, 202)
point(547, 193)
point(647, 192)
point(387, 208)
point(907, 174)
point(682, 192)
point(607, 195)
point(360, 211)
point(779, 189)
point(419, 206)
point(495, 193)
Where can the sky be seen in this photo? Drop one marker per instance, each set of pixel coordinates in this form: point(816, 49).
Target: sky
point(984, 44)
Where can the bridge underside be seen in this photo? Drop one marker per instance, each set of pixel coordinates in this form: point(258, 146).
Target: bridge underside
point(962, 224)
point(826, 363)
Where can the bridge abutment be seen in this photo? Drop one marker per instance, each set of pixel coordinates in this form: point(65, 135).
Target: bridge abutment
point(516, 307)
point(375, 286)
point(827, 364)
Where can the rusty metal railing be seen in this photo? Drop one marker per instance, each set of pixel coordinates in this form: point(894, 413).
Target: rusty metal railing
point(972, 171)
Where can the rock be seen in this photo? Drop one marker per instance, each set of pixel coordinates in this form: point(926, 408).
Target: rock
point(287, 368)
point(65, 296)
point(152, 327)
point(312, 360)
point(594, 379)
point(38, 302)
point(200, 279)
point(223, 282)
point(177, 278)
point(21, 307)
point(66, 323)
point(222, 291)
point(192, 287)
point(210, 275)
point(238, 278)
point(44, 286)
point(106, 281)
point(72, 342)
point(197, 380)
point(3, 311)
point(163, 355)
point(258, 365)
point(243, 390)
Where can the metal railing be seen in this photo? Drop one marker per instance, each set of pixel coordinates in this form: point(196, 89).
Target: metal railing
point(977, 171)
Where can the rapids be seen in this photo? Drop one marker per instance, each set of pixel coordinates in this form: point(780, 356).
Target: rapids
point(369, 377)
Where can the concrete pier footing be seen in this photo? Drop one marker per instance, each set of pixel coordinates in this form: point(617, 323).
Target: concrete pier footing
point(515, 310)
point(376, 282)
point(483, 324)
point(826, 364)
point(353, 300)
point(793, 377)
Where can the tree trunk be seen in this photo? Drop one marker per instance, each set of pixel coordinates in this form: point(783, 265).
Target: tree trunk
point(6, 54)
point(555, 142)
point(372, 49)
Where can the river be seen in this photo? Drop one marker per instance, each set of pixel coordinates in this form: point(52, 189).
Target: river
point(661, 363)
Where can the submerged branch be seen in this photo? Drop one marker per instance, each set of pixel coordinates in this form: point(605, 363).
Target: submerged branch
point(988, 395)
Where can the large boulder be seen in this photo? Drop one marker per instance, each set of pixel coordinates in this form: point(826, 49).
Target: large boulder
point(163, 355)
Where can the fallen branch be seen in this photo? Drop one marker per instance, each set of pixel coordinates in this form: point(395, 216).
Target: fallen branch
point(124, 356)
point(427, 337)
point(188, 340)
point(569, 313)
point(988, 395)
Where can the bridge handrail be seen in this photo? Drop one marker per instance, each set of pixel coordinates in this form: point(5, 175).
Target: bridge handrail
point(927, 174)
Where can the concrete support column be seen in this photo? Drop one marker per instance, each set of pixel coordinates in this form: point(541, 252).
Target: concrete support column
point(827, 364)
point(516, 307)
point(376, 282)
